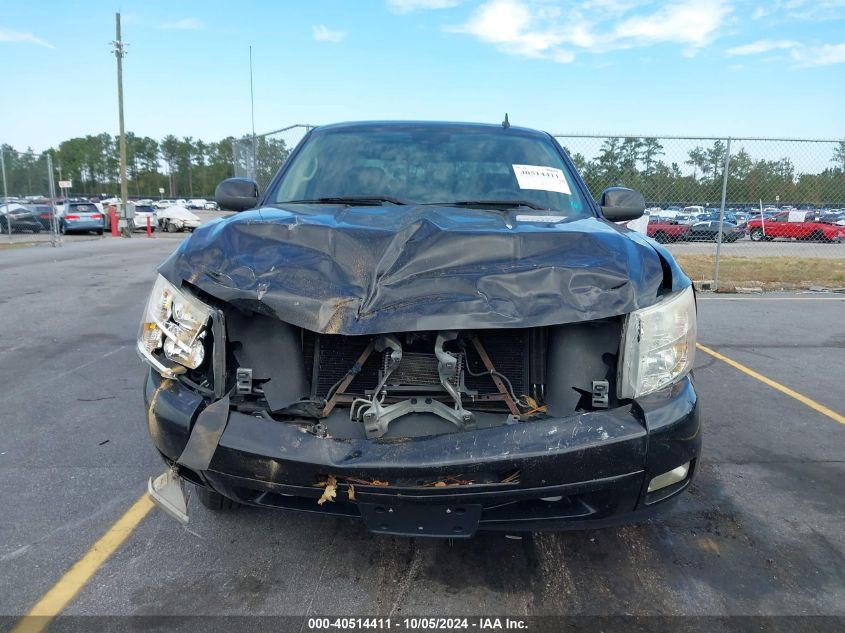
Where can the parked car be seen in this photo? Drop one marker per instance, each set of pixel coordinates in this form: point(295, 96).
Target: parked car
point(432, 327)
point(139, 215)
point(43, 213)
point(794, 225)
point(196, 203)
point(709, 231)
point(177, 218)
point(210, 205)
point(142, 212)
point(714, 217)
point(18, 218)
point(834, 218)
point(163, 204)
point(667, 230)
point(81, 217)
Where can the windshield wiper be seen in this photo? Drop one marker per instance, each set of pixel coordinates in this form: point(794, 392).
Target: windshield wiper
point(502, 204)
point(350, 200)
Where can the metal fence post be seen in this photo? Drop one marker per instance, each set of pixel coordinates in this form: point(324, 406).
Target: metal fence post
point(5, 193)
point(55, 240)
point(722, 214)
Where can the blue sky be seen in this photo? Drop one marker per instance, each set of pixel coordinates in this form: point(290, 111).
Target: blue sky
point(697, 67)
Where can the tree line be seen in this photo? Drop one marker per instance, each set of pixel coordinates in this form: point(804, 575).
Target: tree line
point(189, 167)
point(638, 163)
point(184, 167)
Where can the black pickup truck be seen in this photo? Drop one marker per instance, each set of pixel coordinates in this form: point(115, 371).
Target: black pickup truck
point(432, 327)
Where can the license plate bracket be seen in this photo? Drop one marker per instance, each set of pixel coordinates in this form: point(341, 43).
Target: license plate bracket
point(439, 520)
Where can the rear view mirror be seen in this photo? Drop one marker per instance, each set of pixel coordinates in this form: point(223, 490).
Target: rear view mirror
point(236, 194)
point(619, 204)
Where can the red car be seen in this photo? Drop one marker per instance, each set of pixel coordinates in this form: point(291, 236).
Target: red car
point(666, 229)
point(795, 225)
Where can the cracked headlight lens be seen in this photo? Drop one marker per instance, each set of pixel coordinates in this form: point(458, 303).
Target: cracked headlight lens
point(175, 322)
point(658, 345)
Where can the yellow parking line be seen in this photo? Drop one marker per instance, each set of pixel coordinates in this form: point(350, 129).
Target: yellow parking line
point(60, 595)
point(833, 415)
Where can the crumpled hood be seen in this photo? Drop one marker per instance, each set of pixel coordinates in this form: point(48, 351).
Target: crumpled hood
point(370, 270)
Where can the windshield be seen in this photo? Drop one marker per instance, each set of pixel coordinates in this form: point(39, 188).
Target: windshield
point(83, 208)
point(425, 165)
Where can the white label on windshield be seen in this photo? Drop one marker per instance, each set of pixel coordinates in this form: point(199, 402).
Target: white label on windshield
point(540, 218)
point(542, 178)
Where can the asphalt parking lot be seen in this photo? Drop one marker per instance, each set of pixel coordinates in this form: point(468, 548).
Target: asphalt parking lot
point(760, 532)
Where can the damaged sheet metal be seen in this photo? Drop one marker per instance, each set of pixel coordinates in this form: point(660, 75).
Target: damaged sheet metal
point(205, 436)
point(370, 270)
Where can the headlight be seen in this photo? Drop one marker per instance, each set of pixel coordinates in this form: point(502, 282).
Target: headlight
point(176, 322)
point(658, 345)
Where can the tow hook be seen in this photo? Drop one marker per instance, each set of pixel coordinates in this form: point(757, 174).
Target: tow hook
point(168, 492)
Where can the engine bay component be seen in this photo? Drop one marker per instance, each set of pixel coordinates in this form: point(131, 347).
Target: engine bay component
point(243, 380)
point(336, 393)
point(601, 397)
point(263, 345)
point(377, 416)
point(448, 366)
point(506, 395)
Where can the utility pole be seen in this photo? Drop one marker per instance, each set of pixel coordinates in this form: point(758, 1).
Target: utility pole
point(119, 53)
point(5, 194)
point(254, 174)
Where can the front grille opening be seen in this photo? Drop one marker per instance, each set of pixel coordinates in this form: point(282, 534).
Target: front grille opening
point(329, 357)
point(390, 386)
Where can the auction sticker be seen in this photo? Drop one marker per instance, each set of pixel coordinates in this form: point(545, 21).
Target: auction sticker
point(541, 178)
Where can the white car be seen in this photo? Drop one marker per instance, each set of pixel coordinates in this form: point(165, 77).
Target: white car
point(142, 212)
point(163, 204)
point(177, 218)
point(197, 203)
point(211, 205)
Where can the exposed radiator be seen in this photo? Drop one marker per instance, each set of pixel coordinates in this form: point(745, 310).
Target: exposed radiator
point(329, 356)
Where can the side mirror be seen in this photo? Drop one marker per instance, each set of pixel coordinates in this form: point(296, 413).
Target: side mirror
point(236, 194)
point(619, 204)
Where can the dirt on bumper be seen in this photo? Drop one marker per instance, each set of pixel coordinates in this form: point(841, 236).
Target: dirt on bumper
point(583, 470)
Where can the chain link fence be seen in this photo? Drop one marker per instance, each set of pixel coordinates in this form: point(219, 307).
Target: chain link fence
point(758, 209)
point(259, 158)
point(28, 210)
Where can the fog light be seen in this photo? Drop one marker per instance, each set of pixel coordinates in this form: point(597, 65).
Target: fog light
point(668, 478)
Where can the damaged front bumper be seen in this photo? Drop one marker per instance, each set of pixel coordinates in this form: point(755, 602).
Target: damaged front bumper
point(581, 471)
